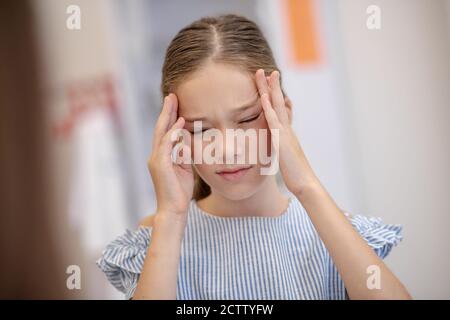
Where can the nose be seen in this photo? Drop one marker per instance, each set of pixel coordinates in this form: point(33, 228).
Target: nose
point(234, 147)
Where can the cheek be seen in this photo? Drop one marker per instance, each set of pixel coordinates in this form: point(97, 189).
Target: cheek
point(267, 134)
point(207, 173)
point(262, 122)
point(262, 135)
point(198, 147)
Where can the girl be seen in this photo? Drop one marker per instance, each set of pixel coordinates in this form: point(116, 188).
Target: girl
point(225, 231)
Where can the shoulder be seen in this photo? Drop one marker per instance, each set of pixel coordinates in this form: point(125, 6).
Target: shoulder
point(381, 236)
point(123, 258)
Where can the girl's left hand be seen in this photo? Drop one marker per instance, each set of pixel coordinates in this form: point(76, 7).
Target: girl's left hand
point(295, 169)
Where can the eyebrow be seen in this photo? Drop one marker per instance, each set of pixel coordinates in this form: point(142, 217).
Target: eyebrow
point(237, 110)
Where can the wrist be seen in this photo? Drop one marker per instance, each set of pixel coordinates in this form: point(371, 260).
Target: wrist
point(169, 219)
point(167, 234)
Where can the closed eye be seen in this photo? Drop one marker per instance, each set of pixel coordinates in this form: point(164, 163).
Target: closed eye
point(251, 118)
point(198, 131)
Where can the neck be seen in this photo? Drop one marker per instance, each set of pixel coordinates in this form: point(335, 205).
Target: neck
point(268, 201)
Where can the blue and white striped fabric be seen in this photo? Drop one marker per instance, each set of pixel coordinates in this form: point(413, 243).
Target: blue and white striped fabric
point(247, 257)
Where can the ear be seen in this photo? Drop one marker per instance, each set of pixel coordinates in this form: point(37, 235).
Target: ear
point(288, 104)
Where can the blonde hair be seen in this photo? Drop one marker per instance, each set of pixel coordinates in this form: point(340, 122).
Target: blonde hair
point(230, 39)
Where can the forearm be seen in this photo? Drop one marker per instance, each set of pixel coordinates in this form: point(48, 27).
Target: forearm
point(158, 279)
point(349, 251)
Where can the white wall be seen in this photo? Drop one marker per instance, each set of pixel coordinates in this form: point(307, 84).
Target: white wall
point(399, 81)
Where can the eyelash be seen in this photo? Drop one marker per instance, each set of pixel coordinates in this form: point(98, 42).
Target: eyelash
point(197, 132)
point(243, 121)
point(251, 119)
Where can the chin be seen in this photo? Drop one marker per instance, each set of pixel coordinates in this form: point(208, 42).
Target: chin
point(239, 191)
point(237, 195)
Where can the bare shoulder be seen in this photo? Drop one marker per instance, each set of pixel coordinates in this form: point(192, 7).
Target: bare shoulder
point(147, 221)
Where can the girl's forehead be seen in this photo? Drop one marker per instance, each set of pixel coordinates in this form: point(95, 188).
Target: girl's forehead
point(215, 86)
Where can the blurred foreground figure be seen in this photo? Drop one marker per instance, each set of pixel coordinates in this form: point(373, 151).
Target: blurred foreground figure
point(30, 265)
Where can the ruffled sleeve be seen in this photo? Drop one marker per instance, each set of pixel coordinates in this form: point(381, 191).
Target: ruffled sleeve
point(122, 260)
point(380, 236)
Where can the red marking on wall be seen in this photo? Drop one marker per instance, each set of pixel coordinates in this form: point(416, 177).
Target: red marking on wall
point(84, 96)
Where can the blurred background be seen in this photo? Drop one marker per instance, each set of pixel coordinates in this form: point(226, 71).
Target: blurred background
point(370, 85)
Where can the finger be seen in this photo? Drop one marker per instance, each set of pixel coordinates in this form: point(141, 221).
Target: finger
point(269, 112)
point(179, 146)
point(182, 153)
point(185, 142)
point(162, 123)
point(174, 111)
point(261, 82)
point(278, 102)
point(171, 137)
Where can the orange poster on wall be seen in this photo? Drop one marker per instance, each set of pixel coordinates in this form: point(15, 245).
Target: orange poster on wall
point(302, 31)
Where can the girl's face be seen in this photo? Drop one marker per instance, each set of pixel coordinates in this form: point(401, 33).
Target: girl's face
point(223, 97)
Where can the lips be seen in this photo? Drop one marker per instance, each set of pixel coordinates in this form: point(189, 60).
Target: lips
point(234, 174)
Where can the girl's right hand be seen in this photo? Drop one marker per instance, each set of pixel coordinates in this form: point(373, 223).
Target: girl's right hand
point(173, 182)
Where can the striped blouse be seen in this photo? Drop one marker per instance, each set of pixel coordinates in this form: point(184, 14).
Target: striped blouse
point(252, 257)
